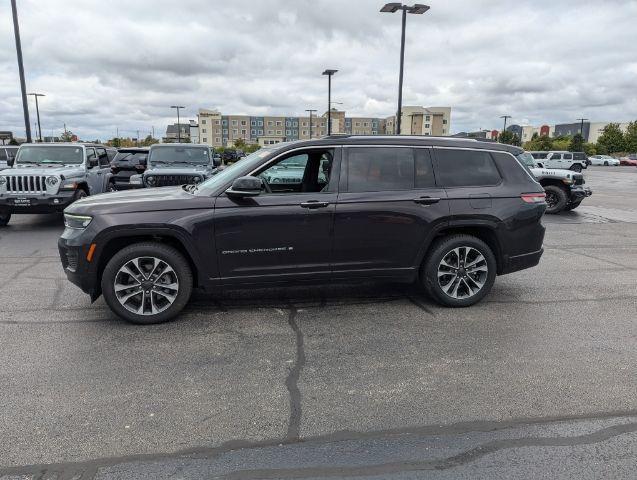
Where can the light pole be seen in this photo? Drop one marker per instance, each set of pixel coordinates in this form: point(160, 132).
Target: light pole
point(504, 129)
point(18, 49)
point(177, 107)
point(417, 9)
point(581, 127)
point(311, 111)
point(329, 74)
point(37, 110)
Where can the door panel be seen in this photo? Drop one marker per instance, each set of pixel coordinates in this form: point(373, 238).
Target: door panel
point(382, 232)
point(280, 236)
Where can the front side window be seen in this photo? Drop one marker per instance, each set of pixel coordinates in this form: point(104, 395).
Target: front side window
point(378, 169)
point(305, 172)
point(90, 153)
point(466, 168)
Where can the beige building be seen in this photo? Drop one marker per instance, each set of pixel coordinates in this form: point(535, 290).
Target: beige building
point(429, 121)
point(210, 130)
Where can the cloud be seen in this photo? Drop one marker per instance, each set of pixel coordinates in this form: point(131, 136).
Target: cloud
point(120, 65)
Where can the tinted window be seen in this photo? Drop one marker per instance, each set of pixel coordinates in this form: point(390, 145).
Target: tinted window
point(134, 158)
point(568, 156)
point(466, 168)
point(375, 169)
point(90, 153)
point(424, 169)
point(193, 155)
point(3, 155)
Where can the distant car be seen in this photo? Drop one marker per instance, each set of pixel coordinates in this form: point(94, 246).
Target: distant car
point(575, 161)
point(229, 156)
point(7, 155)
point(605, 160)
point(128, 162)
point(629, 160)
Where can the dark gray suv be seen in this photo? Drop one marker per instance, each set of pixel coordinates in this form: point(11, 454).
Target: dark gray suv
point(449, 214)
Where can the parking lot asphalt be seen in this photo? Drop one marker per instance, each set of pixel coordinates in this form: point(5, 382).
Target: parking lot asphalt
point(374, 381)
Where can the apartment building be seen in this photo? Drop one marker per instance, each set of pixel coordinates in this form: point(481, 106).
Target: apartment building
point(217, 130)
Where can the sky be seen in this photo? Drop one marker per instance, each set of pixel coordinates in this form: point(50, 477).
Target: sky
point(119, 65)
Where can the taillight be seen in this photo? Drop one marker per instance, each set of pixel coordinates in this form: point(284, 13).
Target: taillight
point(533, 197)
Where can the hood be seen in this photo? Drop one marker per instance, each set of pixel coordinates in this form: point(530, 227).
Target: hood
point(180, 169)
point(555, 172)
point(66, 171)
point(142, 200)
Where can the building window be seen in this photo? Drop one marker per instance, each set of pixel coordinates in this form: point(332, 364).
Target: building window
point(270, 132)
point(260, 123)
point(204, 139)
point(260, 132)
point(243, 132)
point(253, 132)
point(444, 122)
point(287, 132)
point(253, 123)
point(444, 131)
point(357, 124)
point(296, 124)
point(287, 123)
point(216, 122)
point(217, 140)
point(279, 132)
point(279, 123)
point(270, 123)
point(366, 124)
point(304, 132)
point(235, 132)
point(203, 130)
point(427, 118)
point(224, 122)
point(203, 122)
point(244, 123)
point(225, 131)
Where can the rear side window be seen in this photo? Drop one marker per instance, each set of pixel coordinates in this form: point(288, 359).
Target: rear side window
point(377, 169)
point(3, 155)
point(568, 156)
point(466, 168)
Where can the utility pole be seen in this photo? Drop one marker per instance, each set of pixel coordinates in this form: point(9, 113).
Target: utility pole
point(581, 126)
point(311, 111)
point(177, 107)
point(18, 48)
point(37, 110)
point(505, 122)
point(137, 139)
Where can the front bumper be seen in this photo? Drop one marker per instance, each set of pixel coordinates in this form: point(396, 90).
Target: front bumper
point(32, 203)
point(579, 193)
point(79, 271)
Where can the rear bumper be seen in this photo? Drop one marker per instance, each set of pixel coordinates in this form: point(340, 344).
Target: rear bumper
point(26, 203)
point(521, 262)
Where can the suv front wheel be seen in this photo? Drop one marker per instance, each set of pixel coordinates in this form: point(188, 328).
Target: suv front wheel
point(147, 283)
point(459, 271)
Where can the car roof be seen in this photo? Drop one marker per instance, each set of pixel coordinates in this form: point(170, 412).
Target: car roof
point(133, 149)
point(165, 145)
point(62, 144)
point(401, 140)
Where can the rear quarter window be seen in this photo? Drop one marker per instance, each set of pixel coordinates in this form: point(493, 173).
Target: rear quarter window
point(466, 168)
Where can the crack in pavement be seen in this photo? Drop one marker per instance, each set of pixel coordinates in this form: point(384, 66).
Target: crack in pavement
point(437, 464)
point(70, 470)
point(19, 272)
point(292, 380)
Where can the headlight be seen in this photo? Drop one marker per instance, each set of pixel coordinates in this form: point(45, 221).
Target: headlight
point(68, 185)
point(52, 181)
point(77, 222)
point(150, 181)
point(3, 181)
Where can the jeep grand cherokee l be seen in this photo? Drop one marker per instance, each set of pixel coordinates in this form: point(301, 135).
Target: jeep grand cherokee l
point(449, 214)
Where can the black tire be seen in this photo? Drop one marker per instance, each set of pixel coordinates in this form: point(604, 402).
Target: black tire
point(79, 194)
point(556, 199)
point(4, 219)
point(606, 164)
point(147, 250)
point(576, 167)
point(442, 249)
point(572, 206)
point(111, 186)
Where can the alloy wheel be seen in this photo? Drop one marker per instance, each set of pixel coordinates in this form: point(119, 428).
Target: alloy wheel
point(550, 199)
point(146, 285)
point(462, 272)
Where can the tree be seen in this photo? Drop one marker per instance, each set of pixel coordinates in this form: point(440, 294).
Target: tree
point(612, 139)
point(576, 144)
point(149, 140)
point(630, 137)
point(13, 141)
point(506, 137)
point(67, 136)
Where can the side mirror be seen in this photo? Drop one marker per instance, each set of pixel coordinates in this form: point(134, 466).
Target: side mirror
point(10, 161)
point(539, 164)
point(216, 161)
point(245, 187)
point(92, 163)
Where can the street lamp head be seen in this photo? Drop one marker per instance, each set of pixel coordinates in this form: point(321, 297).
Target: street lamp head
point(391, 7)
point(418, 9)
point(37, 94)
point(176, 106)
point(329, 72)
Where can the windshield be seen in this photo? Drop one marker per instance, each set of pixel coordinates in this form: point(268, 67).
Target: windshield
point(526, 159)
point(42, 155)
point(230, 171)
point(190, 155)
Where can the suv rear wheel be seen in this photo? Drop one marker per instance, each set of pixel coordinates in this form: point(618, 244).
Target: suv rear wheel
point(576, 167)
point(4, 219)
point(459, 271)
point(147, 283)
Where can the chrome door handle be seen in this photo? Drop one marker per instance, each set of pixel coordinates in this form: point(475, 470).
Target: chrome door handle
point(312, 204)
point(426, 200)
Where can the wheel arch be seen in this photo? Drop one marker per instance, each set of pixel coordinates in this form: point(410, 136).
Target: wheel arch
point(485, 231)
point(113, 242)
